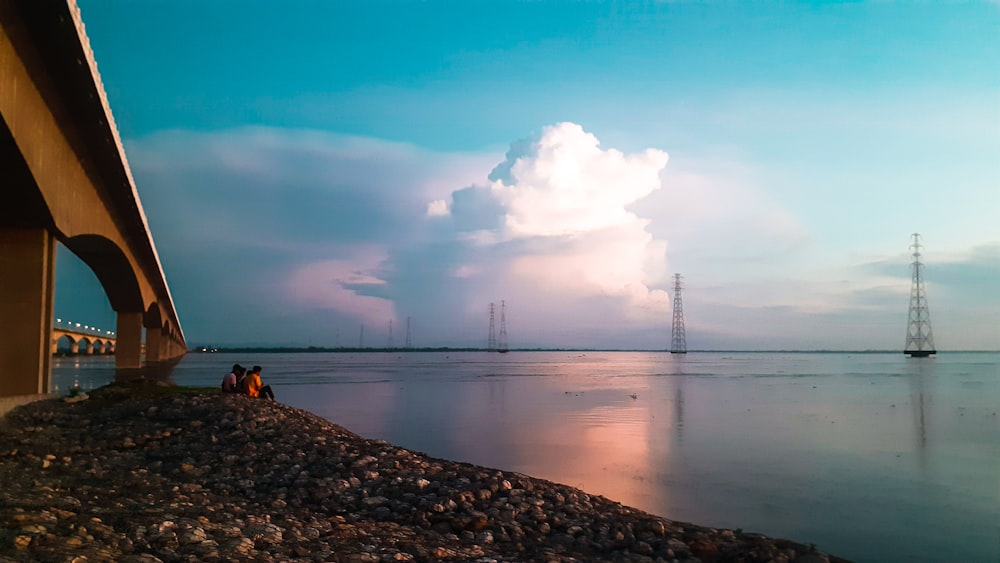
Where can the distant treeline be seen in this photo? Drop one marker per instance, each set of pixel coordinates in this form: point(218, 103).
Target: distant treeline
point(346, 350)
point(317, 349)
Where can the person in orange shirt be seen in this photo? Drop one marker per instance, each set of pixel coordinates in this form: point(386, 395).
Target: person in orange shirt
point(256, 387)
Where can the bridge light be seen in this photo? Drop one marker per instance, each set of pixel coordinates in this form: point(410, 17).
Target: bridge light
point(58, 320)
point(78, 325)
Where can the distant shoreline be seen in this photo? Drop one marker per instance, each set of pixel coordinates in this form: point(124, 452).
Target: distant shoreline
point(347, 350)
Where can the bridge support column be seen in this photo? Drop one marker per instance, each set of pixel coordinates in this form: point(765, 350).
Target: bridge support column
point(128, 348)
point(27, 292)
point(155, 345)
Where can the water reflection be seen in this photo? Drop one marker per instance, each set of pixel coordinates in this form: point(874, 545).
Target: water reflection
point(90, 372)
point(920, 371)
point(160, 372)
point(819, 447)
point(679, 380)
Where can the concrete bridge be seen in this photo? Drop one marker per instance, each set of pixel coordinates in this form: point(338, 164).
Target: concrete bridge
point(65, 179)
point(84, 341)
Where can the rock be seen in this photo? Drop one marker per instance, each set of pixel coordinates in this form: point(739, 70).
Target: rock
point(242, 546)
point(266, 533)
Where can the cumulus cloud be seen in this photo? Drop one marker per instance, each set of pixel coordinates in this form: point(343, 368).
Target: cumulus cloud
point(563, 183)
point(553, 224)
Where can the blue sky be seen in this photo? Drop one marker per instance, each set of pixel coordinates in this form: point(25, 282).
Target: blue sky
point(309, 167)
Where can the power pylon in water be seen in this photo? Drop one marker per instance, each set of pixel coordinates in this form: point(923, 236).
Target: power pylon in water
point(678, 340)
point(491, 345)
point(409, 343)
point(502, 347)
point(919, 339)
point(388, 343)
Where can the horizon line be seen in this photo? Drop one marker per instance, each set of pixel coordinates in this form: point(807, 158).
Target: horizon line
point(354, 349)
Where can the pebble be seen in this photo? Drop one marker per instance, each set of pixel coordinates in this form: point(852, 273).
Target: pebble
point(192, 475)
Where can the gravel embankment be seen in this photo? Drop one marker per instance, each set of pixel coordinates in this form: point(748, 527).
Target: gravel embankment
point(152, 473)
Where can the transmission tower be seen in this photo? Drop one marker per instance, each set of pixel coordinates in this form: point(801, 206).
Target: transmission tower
point(919, 339)
point(409, 343)
point(361, 337)
point(491, 345)
point(678, 340)
point(388, 343)
point(503, 329)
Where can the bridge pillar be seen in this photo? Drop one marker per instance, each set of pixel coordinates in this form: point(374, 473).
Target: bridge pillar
point(128, 347)
point(155, 346)
point(178, 349)
point(27, 292)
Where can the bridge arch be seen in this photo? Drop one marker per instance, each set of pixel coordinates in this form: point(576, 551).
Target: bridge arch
point(112, 268)
point(65, 343)
point(84, 346)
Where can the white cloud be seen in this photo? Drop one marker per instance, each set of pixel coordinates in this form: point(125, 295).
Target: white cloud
point(563, 183)
point(565, 232)
point(437, 208)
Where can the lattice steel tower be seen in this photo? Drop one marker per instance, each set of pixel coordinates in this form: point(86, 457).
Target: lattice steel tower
point(678, 340)
point(502, 346)
point(409, 342)
point(491, 345)
point(919, 338)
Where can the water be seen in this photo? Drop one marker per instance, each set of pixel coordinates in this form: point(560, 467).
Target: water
point(873, 457)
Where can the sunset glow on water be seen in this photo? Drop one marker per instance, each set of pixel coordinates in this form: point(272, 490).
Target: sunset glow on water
point(869, 456)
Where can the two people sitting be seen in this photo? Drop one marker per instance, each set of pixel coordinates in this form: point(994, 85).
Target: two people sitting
point(246, 383)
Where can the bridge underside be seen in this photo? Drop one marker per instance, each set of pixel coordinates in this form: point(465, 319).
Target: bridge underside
point(65, 179)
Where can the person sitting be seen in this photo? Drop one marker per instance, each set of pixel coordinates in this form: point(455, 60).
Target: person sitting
point(255, 387)
point(229, 381)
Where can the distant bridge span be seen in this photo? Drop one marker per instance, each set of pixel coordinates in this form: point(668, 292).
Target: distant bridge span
point(65, 178)
point(94, 343)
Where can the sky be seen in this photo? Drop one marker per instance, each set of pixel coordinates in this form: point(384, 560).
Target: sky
point(309, 168)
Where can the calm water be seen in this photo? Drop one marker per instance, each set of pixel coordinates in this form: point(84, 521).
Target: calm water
point(874, 457)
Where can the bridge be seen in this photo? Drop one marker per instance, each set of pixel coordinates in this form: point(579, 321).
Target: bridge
point(65, 179)
point(84, 339)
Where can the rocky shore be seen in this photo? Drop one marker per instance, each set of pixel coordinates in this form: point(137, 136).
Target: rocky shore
point(146, 473)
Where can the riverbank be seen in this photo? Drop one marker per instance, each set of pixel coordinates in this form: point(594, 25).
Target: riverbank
point(183, 474)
